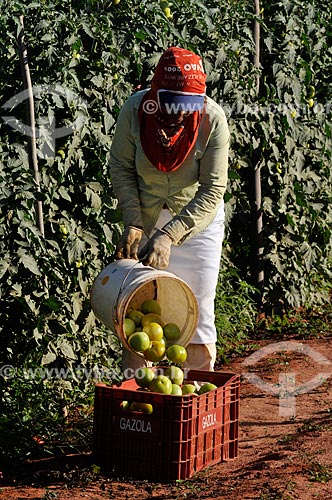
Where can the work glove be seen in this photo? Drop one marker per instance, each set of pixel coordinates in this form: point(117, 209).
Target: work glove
point(157, 251)
point(127, 246)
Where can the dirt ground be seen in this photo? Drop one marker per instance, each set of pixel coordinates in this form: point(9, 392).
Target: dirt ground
point(285, 444)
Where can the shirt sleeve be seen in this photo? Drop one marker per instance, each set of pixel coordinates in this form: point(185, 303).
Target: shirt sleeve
point(213, 174)
point(122, 168)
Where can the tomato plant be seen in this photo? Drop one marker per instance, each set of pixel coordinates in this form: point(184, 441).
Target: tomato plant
point(85, 58)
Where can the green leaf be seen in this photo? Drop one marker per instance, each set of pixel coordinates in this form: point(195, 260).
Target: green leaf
point(64, 193)
point(48, 358)
point(4, 266)
point(29, 262)
point(93, 198)
point(108, 233)
point(108, 121)
point(53, 303)
point(67, 350)
point(77, 304)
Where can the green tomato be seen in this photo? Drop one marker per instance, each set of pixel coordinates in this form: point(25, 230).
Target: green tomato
point(99, 63)
point(206, 388)
point(168, 13)
point(144, 376)
point(63, 229)
point(311, 91)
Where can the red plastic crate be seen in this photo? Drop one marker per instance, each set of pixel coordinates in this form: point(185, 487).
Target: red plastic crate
point(183, 435)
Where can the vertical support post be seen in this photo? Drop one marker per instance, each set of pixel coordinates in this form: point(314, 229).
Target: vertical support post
point(257, 180)
point(31, 120)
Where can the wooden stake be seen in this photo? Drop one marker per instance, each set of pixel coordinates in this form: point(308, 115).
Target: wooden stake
point(31, 120)
point(257, 182)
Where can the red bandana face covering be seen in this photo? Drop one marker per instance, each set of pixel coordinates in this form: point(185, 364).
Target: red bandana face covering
point(180, 72)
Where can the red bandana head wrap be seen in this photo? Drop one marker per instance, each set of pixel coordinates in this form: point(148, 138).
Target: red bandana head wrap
point(181, 70)
point(178, 84)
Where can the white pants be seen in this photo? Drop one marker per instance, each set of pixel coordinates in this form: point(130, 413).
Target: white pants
point(197, 262)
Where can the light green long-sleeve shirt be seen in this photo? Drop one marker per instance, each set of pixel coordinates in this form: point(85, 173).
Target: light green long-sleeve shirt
point(192, 193)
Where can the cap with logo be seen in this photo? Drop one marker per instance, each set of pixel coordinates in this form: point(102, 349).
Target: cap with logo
point(179, 81)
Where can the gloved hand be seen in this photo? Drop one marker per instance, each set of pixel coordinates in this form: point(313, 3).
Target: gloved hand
point(157, 251)
point(127, 246)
